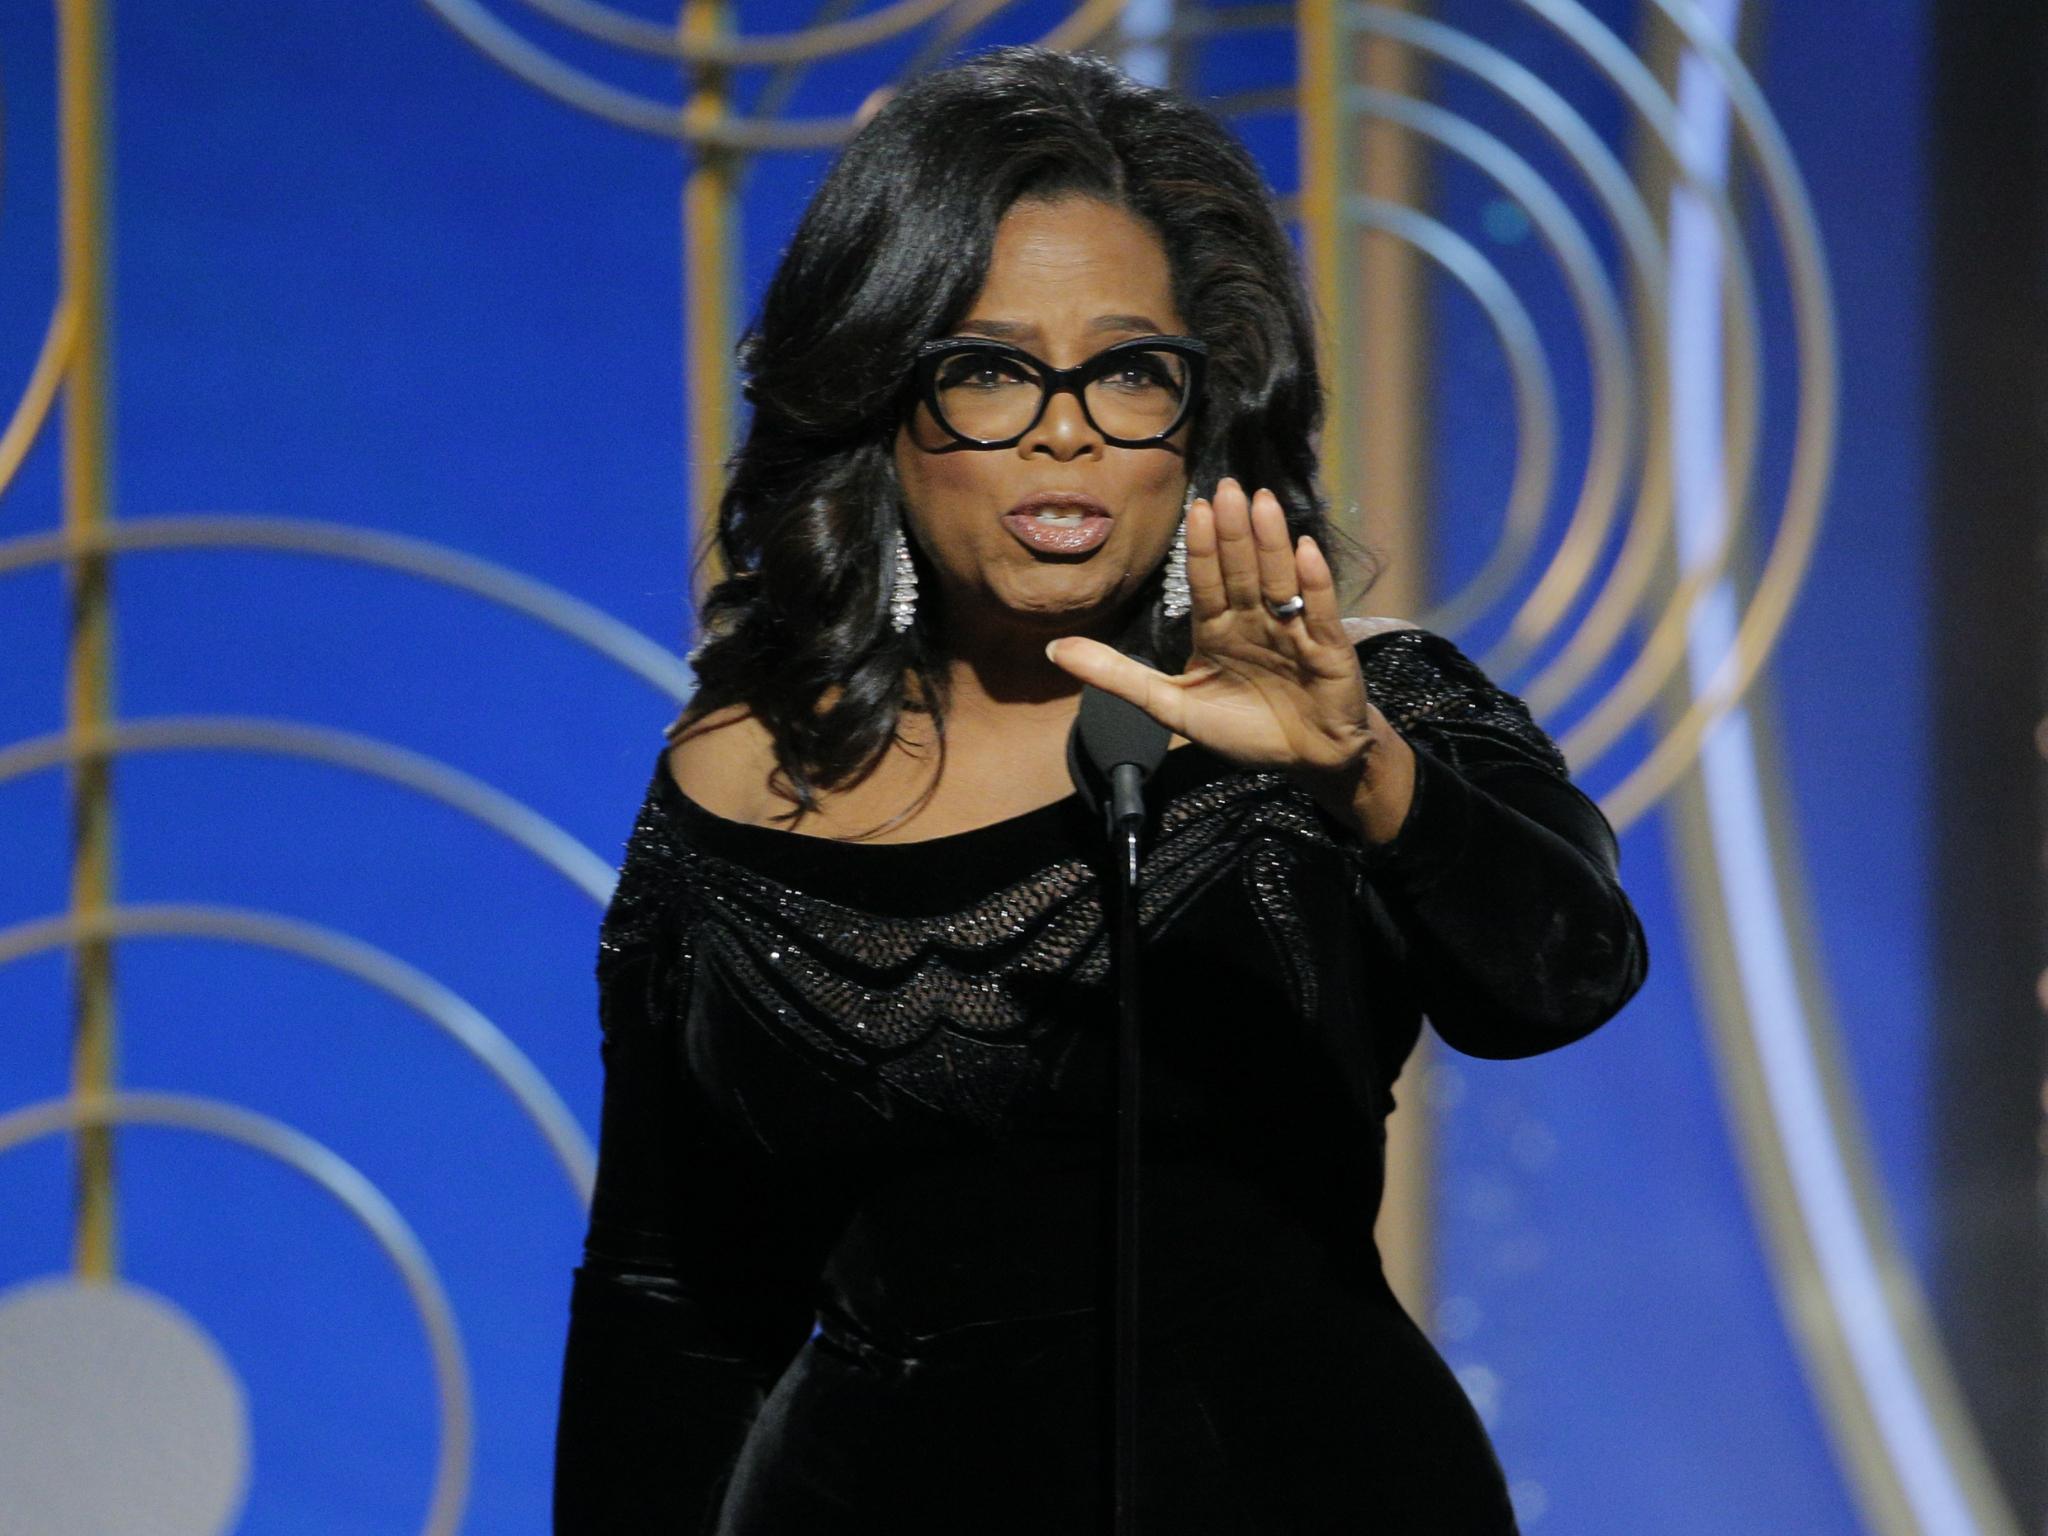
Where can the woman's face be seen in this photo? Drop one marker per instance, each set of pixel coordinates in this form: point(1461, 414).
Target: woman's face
point(1067, 279)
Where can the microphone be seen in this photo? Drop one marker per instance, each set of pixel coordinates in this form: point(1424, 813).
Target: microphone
point(1111, 751)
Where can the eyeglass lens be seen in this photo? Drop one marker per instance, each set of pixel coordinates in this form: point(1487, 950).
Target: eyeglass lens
point(991, 396)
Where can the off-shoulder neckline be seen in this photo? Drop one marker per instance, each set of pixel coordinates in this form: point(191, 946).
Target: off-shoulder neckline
point(1046, 816)
point(714, 829)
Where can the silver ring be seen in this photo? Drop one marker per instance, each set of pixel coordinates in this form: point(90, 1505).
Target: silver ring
point(1287, 610)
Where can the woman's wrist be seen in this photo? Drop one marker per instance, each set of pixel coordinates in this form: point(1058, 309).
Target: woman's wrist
point(1371, 797)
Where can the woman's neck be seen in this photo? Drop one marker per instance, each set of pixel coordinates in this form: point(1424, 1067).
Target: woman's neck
point(1002, 667)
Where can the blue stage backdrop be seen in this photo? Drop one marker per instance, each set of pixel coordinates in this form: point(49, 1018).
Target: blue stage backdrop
point(362, 276)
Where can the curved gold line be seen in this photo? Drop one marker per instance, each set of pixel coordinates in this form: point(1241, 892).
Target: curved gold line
point(1650, 525)
point(959, 21)
point(787, 79)
point(627, 109)
point(347, 1184)
point(1664, 650)
point(461, 1021)
point(480, 801)
point(1615, 428)
point(505, 47)
point(1856, 1416)
point(32, 411)
point(1798, 529)
point(1628, 584)
point(1528, 365)
point(1790, 1245)
point(802, 45)
point(655, 665)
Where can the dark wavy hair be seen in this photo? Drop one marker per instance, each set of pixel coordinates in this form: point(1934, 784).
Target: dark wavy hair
point(892, 250)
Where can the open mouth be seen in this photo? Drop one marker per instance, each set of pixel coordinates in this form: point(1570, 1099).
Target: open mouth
point(1059, 522)
point(1058, 530)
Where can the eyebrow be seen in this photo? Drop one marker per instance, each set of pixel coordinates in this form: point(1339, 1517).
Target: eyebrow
point(1010, 328)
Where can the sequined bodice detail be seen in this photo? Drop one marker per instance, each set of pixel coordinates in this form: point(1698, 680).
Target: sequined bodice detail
point(960, 1011)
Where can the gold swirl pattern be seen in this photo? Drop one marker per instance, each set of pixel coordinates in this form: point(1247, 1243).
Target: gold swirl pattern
point(1561, 609)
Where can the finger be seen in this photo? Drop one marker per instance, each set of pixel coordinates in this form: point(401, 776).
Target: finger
point(1128, 678)
point(1278, 579)
point(1236, 553)
point(1205, 576)
point(1319, 591)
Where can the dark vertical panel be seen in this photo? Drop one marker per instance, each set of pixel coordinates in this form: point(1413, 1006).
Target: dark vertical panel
point(1989, 170)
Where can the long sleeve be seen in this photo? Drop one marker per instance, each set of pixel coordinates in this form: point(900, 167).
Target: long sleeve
point(1502, 887)
point(694, 1290)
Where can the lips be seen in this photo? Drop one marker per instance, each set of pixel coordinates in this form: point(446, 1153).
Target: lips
point(1059, 538)
point(1071, 501)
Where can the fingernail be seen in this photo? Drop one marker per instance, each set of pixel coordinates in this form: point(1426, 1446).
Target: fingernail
point(1052, 650)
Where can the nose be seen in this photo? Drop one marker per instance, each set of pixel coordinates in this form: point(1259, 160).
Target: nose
point(1063, 431)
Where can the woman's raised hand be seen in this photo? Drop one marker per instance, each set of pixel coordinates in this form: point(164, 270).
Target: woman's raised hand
point(1281, 694)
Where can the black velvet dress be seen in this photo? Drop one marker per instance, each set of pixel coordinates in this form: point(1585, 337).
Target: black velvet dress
point(848, 1263)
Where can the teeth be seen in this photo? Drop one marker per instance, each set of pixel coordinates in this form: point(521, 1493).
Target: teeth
point(1064, 519)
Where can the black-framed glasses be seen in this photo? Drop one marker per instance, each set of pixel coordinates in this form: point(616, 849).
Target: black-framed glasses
point(988, 393)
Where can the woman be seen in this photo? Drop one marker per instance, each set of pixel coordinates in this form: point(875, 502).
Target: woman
point(1034, 397)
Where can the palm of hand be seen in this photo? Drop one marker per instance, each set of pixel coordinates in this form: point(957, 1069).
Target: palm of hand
point(1283, 694)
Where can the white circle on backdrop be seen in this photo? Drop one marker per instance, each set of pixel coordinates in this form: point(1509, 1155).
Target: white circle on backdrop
point(119, 1416)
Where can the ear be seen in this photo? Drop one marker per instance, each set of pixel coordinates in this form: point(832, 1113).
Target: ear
point(1356, 630)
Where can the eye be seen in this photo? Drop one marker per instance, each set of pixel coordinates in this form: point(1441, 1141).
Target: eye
point(1146, 371)
point(979, 371)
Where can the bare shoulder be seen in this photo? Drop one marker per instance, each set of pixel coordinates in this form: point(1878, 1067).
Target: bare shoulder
point(721, 759)
point(1356, 630)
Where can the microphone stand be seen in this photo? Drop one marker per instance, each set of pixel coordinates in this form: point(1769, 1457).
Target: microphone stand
point(1118, 744)
point(1123, 835)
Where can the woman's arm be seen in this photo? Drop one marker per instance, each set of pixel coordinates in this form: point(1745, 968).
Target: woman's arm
point(1501, 881)
point(1497, 877)
point(695, 1288)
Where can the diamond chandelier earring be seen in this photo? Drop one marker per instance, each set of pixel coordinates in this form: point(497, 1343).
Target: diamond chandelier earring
point(903, 599)
point(1174, 601)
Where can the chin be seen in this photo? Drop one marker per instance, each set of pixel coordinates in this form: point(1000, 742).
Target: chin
point(1053, 619)
point(1068, 618)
